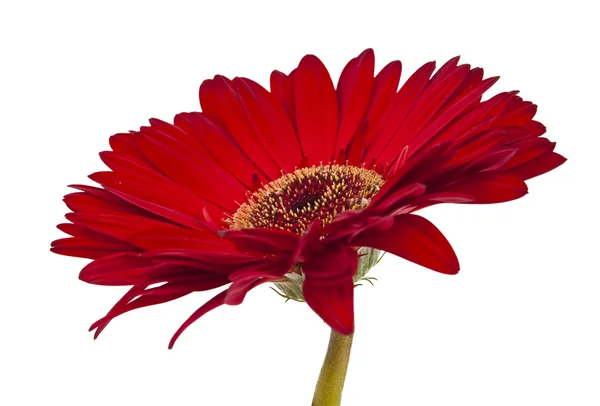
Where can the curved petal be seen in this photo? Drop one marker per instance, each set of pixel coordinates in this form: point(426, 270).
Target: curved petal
point(148, 189)
point(219, 100)
point(353, 92)
point(356, 149)
point(282, 89)
point(385, 87)
point(246, 279)
point(238, 290)
point(399, 108)
point(310, 242)
point(395, 202)
point(124, 268)
point(221, 146)
point(489, 187)
point(180, 238)
point(116, 225)
point(413, 238)
point(263, 240)
point(212, 304)
point(451, 112)
point(96, 200)
point(328, 287)
point(333, 303)
point(207, 260)
point(270, 123)
point(432, 100)
point(94, 247)
point(538, 166)
point(316, 110)
point(190, 170)
point(86, 243)
point(142, 296)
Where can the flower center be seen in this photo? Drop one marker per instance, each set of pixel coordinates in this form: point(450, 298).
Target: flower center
point(297, 199)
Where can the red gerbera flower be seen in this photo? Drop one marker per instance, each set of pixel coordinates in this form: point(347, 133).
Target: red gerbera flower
point(299, 184)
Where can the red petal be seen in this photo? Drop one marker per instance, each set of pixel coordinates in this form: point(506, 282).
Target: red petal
point(354, 91)
point(191, 170)
point(316, 110)
point(161, 294)
point(245, 280)
point(83, 202)
point(396, 202)
point(527, 150)
point(473, 80)
point(413, 238)
point(424, 162)
point(335, 262)
point(166, 238)
point(147, 174)
point(385, 87)
point(263, 240)
point(446, 69)
point(126, 268)
point(489, 187)
point(238, 290)
point(221, 146)
point(399, 109)
point(78, 231)
point(282, 89)
point(328, 287)
point(310, 242)
point(429, 103)
point(124, 145)
point(357, 148)
point(476, 121)
point(208, 260)
point(333, 303)
point(212, 304)
point(518, 113)
point(539, 166)
point(451, 112)
point(89, 247)
point(117, 225)
point(131, 294)
point(491, 161)
point(219, 100)
point(183, 139)
point(271, 123)
point(483, 144)
point(160, 198)
point(535, 128)
point(100, 200)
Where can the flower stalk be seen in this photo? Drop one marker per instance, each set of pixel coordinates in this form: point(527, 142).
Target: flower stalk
point(333, 372)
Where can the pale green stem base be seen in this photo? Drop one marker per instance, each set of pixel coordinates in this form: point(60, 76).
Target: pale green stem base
point(333, 372)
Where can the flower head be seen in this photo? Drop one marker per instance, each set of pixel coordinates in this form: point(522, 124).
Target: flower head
point(299, 184)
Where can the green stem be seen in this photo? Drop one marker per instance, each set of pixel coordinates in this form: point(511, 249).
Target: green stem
point(333, 372)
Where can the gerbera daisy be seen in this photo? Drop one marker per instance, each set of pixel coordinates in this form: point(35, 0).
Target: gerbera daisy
point(301, 185)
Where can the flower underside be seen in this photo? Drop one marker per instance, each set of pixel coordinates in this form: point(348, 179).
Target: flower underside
point(296, 199)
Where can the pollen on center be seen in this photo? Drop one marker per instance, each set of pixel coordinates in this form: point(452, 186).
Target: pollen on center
point(297, 199)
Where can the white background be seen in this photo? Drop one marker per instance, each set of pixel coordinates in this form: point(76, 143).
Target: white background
point(517, 326)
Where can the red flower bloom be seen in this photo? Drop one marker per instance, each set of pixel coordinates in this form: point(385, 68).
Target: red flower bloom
point(287, 184)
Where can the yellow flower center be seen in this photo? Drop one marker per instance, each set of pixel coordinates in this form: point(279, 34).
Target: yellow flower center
point(297, 199)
